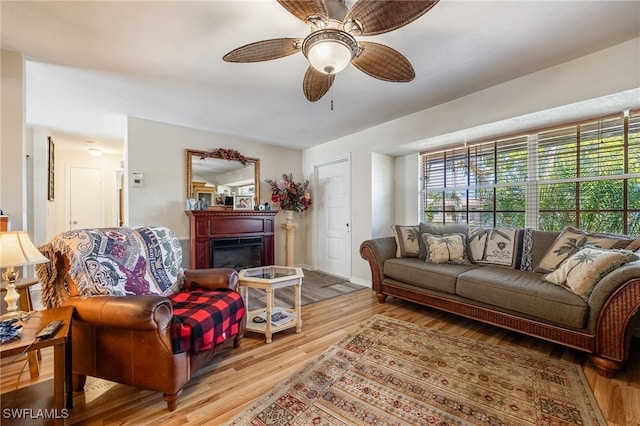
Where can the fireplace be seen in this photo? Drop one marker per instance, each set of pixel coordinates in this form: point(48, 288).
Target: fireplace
point(236, 253)
point(238, 231)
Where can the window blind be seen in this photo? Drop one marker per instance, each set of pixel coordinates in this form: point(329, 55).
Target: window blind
point(583, 174)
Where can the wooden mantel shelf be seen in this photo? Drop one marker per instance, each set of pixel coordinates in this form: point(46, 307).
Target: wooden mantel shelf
point(207, 224)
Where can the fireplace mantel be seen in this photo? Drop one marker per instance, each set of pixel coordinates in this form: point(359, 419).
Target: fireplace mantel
point(207, 224)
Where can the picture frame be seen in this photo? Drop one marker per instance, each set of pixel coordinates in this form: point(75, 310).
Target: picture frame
point(243, 202)
point(51, 170)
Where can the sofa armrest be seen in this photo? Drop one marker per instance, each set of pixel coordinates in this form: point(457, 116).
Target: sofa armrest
point(132, 312)
point(609, 285)
point(377, 251)
point(210, 279)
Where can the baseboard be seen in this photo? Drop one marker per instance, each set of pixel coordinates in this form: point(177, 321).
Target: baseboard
point(363, 283)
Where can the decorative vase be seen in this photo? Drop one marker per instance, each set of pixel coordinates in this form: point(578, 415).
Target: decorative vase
point(288, 214)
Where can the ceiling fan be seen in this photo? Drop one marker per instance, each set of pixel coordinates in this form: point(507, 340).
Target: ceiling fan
point(332, 45)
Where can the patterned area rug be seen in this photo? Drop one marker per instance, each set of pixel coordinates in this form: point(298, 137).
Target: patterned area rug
point(396, 373)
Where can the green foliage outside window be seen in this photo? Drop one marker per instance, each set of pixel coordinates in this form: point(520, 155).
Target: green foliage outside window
point(588, 178)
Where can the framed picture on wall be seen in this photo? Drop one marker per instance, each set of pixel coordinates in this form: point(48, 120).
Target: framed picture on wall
point(242, 202)
point(51, 169)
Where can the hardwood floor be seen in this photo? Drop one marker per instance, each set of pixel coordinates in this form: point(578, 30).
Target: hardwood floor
point(238, 376)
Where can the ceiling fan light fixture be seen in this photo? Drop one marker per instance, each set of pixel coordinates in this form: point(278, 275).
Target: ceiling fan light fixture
point(329, 50)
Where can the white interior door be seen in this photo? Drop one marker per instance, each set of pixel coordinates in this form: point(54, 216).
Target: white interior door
point(85, 198)
point(334, 219)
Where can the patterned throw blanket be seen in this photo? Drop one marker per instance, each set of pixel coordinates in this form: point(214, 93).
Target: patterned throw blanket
point(204, 319)
point(112, 261)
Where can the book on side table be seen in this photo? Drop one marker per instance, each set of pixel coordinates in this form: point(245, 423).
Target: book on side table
point(278, 317)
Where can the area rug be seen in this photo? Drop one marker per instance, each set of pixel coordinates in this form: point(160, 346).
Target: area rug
point(392, 372)
point(320, 279)
point(316, 286)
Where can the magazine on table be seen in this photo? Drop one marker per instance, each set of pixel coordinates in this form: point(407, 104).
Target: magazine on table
point(278, 316)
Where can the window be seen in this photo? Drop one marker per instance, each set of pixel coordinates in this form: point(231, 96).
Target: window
point(585, 174)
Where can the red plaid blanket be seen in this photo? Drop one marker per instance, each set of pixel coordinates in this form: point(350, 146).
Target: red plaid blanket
point(204, 319)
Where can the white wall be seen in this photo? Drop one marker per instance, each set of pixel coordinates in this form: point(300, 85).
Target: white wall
point(40, 207)
point(406, 189)
point(383, 208)
point(603, 73)
point(13, 197)
point(157, 150)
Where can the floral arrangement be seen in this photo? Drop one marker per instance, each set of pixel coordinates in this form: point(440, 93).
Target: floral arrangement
point(291, 195)
point(225, 154)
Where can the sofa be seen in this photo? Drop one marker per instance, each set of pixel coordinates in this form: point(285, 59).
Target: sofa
point(576, 288)
point(140, 319)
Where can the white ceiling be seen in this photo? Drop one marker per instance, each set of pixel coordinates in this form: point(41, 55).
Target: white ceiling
point(91, 64)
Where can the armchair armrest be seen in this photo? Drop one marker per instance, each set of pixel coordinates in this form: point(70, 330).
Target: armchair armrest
point(210, 279)
point(133, 312)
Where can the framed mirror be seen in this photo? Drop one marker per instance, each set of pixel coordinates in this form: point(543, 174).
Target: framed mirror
point(218, 177)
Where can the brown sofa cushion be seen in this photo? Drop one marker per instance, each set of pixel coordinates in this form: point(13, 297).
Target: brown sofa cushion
point(434, 276)
point(524, 292)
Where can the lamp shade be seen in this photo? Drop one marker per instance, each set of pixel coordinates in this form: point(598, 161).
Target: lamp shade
point(16, 249)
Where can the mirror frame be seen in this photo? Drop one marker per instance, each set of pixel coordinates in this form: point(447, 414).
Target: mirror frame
point(188, 153)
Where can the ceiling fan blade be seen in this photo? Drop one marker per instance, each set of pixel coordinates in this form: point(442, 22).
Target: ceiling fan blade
point(303, 9)
point(384, 63)
point(316, 84)
point(379, 16)
point(264, 50)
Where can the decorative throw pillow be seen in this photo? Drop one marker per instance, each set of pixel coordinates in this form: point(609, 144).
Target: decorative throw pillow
point(634, 245)
point(526, 259)
point(407, 240)
point(439, 229)
point(447, 248)
point(571, 240)
point(492, 245)
point(584, 269)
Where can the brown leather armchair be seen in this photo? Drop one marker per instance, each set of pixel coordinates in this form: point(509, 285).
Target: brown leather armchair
point(127, 339)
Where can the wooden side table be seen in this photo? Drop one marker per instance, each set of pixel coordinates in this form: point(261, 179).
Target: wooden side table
point(269, 278)
point(61, 343)
point(23, 286)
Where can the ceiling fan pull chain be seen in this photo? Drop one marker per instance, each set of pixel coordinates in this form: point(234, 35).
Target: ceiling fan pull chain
point(329, 77)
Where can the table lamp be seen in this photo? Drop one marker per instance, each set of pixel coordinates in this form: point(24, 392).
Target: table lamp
point(16, 250)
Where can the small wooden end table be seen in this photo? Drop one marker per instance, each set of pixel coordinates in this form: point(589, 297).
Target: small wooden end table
point(23, 286)
point(61, 343)
point(270, 278)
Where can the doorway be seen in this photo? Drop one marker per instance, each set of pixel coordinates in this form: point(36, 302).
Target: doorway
point(333, 206)
point(85, 198)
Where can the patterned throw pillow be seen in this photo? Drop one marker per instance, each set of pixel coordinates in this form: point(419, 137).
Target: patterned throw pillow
point(584, 269)
point(495, 246)
point(572, 240)
point(447, 248)
point(439, 229)
point(634, 246)
point(407, 240)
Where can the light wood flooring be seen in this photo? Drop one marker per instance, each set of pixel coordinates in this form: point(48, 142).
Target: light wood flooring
point(238, 376)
